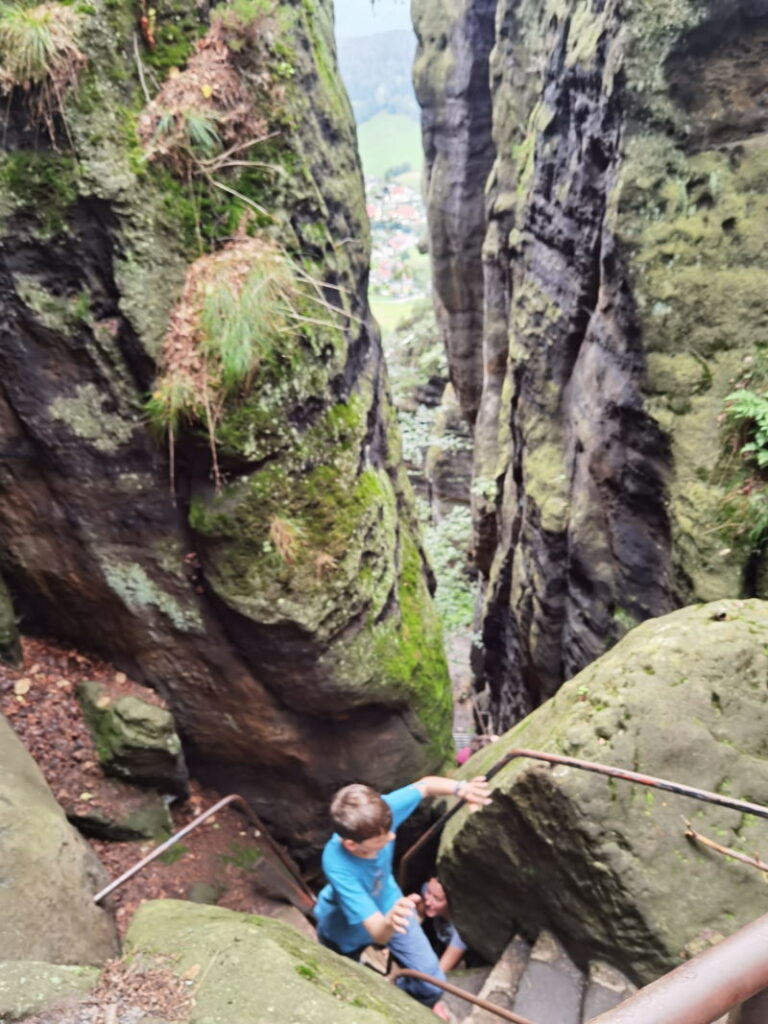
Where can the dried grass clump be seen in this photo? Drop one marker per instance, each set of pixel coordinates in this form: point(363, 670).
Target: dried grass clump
point(237, 309)
point(39, 55)
point(206, 114)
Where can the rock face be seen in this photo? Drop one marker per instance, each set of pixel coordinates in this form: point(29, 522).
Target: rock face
point(602, 863)
point(622, 294)
point(451, 81)
point(49, 874)
point(289, 671)
point(10, 648)
point(262, 971)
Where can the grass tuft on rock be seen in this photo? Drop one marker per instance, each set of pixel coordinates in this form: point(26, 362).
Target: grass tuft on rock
point(39, 54)
point(241, 307)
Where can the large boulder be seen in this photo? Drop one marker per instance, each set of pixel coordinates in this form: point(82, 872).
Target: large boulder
point(248, 968)
point(606, 864)
point(48, 874)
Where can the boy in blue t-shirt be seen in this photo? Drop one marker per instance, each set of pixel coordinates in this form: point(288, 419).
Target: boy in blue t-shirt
point(362, 903)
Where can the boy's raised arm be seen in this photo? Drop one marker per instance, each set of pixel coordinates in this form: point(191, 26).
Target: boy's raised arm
point(474, 792)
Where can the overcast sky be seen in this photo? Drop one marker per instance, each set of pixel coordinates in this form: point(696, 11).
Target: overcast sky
point(361, 18)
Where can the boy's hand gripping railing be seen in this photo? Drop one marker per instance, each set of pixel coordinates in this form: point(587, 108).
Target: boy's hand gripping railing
point(297, 891)
point(601, 769)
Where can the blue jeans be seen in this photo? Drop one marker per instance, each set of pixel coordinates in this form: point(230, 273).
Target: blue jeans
point(413, 950)
point(410, 950)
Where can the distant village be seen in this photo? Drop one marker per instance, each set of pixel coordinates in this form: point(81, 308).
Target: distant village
point(398, 223)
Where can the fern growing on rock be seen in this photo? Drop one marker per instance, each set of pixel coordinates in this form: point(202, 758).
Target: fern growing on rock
point(745, 510)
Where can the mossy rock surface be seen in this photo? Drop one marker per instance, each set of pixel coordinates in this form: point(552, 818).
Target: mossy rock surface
point(624, 275)
point(603, 863)
point(31, 987)
point(254, 970)
point(155, 566)
point(135, 740)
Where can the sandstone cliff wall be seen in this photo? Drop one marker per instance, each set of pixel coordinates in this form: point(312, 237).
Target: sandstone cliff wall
point(622, 296)
point(292, 669)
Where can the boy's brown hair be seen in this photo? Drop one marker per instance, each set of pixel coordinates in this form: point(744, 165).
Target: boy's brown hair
point(359, 813)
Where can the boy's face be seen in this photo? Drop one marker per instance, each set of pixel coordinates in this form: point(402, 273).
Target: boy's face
point(368, 848)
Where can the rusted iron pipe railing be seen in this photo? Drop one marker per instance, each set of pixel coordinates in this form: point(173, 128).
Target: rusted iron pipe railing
point(601, 769)
point(500, 1011)
point(302, 896)
point(702, 990)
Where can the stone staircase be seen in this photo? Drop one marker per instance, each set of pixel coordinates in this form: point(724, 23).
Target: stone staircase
point(542, 984)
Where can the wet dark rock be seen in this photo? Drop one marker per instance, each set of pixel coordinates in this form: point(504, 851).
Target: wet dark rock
point(617, 233)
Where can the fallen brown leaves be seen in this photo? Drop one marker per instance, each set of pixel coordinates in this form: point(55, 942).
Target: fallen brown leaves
point(126, 993)
point(144, 985)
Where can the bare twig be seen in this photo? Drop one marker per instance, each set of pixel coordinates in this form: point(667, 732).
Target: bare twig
point(691, 833)
point(239, 195)
point(140, 68)
point(214, 163)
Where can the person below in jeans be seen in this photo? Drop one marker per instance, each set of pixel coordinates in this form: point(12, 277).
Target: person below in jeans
point(362, 903)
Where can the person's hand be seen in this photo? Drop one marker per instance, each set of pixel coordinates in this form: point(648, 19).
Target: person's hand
point(397, 916)
point(475, 793)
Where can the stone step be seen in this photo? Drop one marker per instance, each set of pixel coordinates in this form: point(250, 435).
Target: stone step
point(471, 980)
point(606, 987)
point(551, 989)
point(502, 983)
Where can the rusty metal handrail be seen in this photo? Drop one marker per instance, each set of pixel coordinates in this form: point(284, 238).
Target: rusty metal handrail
point(302, 897)
point(703, 989)
point(601, 769)
point(500, 1011)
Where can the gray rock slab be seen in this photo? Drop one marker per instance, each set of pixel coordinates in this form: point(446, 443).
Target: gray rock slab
point(502, 983)
point(552, 987)
point(28, 987)
point(470, 980)
point(606, 988)
point(136, 741)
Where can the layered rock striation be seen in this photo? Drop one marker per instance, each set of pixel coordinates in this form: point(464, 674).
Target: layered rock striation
point(265, 576)
point(621, 296)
